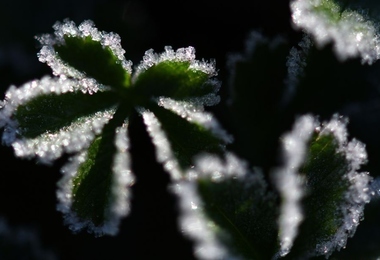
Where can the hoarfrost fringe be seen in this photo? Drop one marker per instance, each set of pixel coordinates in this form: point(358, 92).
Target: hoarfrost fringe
point(182, 54)
point(288, 181)
point(359, 192)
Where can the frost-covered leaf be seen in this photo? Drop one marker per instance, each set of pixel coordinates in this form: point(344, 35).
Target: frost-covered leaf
point(49, 113)
point(335, 192)
point(42, 120)
point(94, 191)
point(227, 210)
point(187, 138)
point(257, 89)
point(351, 26)
point(178, 75)
point(84, 51)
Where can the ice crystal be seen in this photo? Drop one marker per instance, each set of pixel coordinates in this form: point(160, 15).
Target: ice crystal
point(352, 33)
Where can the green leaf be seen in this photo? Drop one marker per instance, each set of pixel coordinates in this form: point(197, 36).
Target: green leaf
point(173, 79)
point(178, 75)
point(187, 138)
point(326, 80)
point(257, 89)
point(93, 186)
point(93, 59)
point(51, 112)
point(247, 217)
point(84, 52)
point(228, 211)
point(351, 26)
point(335, 192)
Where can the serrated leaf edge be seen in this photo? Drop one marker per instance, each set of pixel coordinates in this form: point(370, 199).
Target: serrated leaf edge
point(87, 28)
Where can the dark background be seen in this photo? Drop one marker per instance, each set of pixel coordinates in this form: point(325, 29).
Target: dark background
point(215, 29)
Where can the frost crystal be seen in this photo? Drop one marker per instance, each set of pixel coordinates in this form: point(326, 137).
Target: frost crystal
point(359, 192)
point(119, 199)
point(182, 54)
point(87, 28)
point(352, 33)
point(48, 146)
point(288, 181)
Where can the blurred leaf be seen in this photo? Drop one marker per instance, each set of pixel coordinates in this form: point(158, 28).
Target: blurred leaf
point(227, 210)
point(351, 26)
point(244, 213)
point(336, 192)
point(257, 88)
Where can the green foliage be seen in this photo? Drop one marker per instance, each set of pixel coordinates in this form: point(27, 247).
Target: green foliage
point(94, 60)
point(243, 210)
point(285, 186)
point(52, 112)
